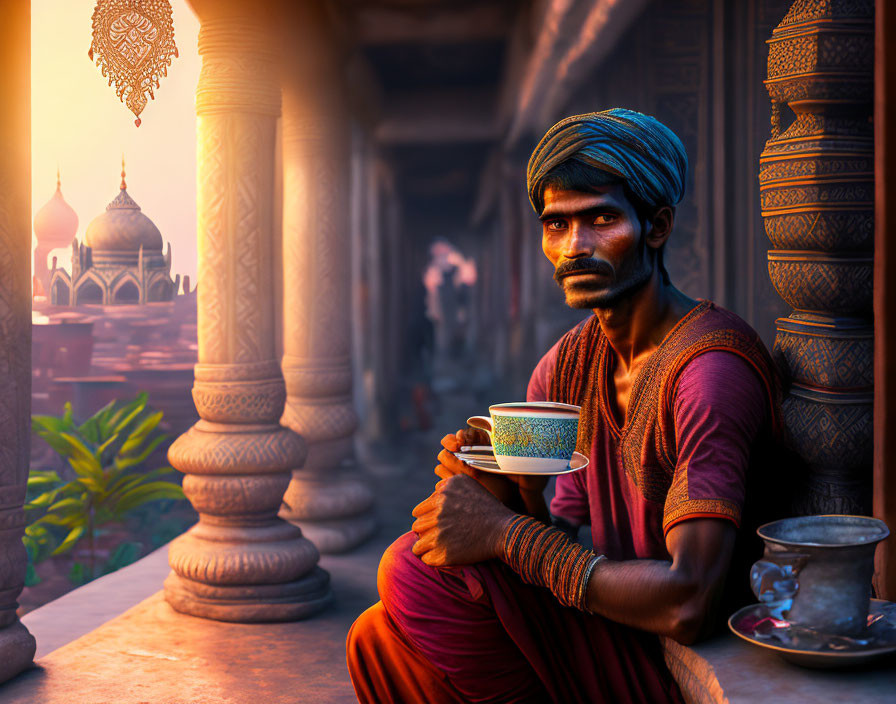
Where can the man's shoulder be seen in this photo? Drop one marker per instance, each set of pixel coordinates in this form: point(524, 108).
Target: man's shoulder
point(717, 318)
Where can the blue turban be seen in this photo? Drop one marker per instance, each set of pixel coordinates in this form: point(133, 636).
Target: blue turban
point(637, 148)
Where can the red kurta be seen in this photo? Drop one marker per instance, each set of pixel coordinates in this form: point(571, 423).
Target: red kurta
point(479, 634)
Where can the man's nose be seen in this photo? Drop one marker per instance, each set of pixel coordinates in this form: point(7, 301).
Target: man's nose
point(580, 243)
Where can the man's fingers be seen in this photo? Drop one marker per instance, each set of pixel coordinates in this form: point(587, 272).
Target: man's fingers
point(451, 443)
point(433, 557)
point(449, 460)
point(424, 524)
point(421, 546)
point(426, 505)
point(443, 472)
point(472, 436)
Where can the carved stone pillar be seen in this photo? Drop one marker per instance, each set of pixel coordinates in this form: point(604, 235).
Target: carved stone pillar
point(817, 193)
point(240, 562)
point(16, 643)
point(328, 497)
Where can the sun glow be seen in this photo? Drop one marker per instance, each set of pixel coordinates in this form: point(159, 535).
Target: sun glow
point(79, 124)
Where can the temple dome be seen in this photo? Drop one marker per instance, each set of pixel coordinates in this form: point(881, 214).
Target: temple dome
point(55, 224)
point(123, 227)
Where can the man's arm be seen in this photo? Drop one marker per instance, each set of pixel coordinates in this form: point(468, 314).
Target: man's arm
point(461, 523)
point(677, 598)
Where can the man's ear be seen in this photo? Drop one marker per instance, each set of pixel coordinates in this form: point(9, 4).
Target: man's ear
point(659, 226)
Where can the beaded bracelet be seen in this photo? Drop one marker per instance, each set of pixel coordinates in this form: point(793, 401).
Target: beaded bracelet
point(544, 556)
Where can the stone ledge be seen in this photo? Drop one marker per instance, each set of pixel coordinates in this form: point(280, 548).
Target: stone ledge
point(725, 670)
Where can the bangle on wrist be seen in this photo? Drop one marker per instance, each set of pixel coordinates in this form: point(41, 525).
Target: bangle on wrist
point(544, 556)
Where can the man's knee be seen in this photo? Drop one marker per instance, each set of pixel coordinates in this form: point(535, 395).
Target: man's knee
point(399, 569)
point(363, 633)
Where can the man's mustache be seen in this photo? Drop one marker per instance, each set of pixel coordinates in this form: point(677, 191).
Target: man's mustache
point(577, 266)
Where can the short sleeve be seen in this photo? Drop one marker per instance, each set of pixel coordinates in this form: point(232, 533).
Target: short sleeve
point(719, 406)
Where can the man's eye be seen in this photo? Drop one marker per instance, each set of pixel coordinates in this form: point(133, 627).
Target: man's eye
point(555, 224)
point(605, 219)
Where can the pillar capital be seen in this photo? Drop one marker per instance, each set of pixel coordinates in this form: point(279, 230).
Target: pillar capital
point(240, 68)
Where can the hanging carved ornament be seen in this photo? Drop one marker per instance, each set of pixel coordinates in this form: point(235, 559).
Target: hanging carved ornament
point(133, 42)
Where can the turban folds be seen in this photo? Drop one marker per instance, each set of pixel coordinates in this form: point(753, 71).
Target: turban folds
point(637, 148)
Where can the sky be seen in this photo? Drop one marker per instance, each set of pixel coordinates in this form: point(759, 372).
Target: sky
point(78, 122)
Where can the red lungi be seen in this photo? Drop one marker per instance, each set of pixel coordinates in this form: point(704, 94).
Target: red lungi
point(479, 634)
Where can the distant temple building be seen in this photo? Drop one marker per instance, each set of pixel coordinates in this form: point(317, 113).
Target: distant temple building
point(55, 226)
point(120, 261)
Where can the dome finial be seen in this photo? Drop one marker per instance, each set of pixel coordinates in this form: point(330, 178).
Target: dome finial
point(58, 181)
point(123, 184)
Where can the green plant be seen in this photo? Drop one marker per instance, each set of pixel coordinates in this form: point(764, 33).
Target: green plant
point(105, 453)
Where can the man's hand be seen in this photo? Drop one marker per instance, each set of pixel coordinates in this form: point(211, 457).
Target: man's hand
point(531, 484)
point(459, 524)
point(499, 485)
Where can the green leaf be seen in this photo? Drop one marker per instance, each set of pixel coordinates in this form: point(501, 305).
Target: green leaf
point(71, 539)
point(89, 430)
point(31, 577)
point(137, 437)
point(145, 493)
point(37, 478)
point(82, 460)
point(67, 506)
point(47, 424)
point(78, 574)
point(43, 500)
point(131, 414)
point(56, 441)
point(134, 460)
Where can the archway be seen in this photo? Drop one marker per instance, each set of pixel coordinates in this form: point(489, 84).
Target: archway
point(60, 293)
point(127, 293)
point(89, 292)
point(159, 291)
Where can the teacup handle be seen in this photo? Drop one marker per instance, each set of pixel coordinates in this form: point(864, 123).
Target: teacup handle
point(481, 423)
point(774, 578)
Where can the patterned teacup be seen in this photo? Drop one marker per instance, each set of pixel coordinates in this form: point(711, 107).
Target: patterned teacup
point(531, 438)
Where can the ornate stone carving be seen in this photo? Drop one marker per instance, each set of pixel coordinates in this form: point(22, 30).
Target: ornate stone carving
point(826, 283)
point(817, 198)
point(825, 352)
point(240, 562)
point(329, 498)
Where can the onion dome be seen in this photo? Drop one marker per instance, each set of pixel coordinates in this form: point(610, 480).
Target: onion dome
point(56, 223)
point(123, 227)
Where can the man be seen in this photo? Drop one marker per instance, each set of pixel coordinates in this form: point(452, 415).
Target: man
point(485, 601)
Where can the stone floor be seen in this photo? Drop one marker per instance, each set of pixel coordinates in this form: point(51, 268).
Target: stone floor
point(116, 640)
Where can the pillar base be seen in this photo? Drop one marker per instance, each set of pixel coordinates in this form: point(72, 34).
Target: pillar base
point(335, 510)
point(290, 601)
point(17, 647)
point(340, 535)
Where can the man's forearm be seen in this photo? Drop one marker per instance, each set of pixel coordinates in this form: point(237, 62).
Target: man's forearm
point(673, 598)
point(650, 595)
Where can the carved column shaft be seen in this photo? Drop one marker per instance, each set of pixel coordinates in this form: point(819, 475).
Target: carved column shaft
point(329, 497)
point(16, 643)
point(817, 194)
point(240, 562)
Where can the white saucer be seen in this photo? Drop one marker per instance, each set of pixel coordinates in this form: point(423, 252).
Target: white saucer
point(578, 461)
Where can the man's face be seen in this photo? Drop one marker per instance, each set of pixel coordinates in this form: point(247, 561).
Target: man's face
point(594, 240)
